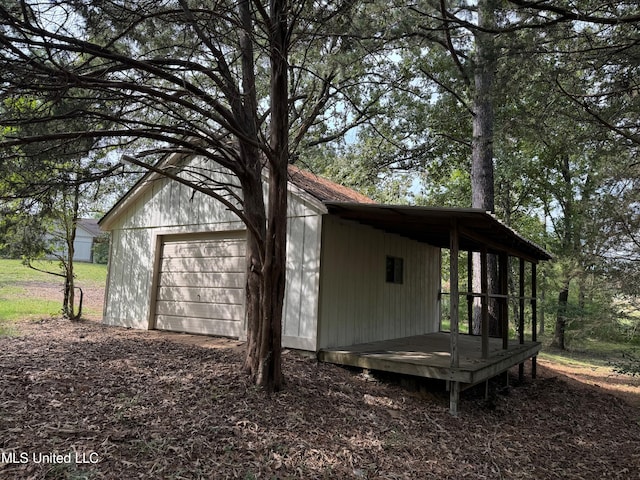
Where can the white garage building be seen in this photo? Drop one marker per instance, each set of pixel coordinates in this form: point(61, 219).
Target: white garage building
point(363, 280)
point(177, 263)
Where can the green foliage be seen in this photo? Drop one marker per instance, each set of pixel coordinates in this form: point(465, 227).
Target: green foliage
point(101, 250)
point(629, 364)
point(21, 235)
point(453, 190)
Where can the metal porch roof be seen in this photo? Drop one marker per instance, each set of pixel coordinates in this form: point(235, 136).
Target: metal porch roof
point(432, 225)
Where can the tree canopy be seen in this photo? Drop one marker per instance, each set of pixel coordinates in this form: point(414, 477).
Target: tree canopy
point(528, 109)
point(244, 84)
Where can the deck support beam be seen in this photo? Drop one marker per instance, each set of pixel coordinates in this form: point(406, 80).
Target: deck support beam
point(470, 297)
point(503, 309)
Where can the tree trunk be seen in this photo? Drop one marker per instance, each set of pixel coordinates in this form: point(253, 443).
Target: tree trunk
point(561, 320)
point(266, 261)
point(482, 178)
point(266, 249)
point(541, 308)
point(568, 246)
point(70, 223)
point(255, 214)
point(269, 373)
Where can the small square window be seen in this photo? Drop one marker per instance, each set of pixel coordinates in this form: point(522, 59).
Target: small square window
point(395, 270)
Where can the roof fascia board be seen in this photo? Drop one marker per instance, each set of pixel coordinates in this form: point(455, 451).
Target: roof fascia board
point(305, 196)
point(496, 246)
point(316, 204)
point(85, 230)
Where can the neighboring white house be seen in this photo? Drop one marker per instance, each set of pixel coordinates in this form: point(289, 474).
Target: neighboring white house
point(87, 231)
point(177, 263)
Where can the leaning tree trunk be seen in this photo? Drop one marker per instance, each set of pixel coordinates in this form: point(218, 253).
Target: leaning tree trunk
point(482, 178)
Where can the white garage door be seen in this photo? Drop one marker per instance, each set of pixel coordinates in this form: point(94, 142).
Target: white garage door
point(201, 284)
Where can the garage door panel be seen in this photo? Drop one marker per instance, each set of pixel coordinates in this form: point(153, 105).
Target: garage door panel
point(203, 264)
point(206, 280)
point(199, 325)
point(213, 311)
point(235, 248)
point(201, 284)
point(203, 295)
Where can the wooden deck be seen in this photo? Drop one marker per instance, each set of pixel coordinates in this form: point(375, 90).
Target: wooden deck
point(428, 356)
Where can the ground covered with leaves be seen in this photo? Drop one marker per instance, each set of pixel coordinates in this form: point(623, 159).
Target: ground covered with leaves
point(136, 404)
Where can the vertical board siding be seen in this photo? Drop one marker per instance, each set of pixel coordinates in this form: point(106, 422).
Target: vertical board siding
point(166, 208)
point(129, 279)
point(301, 293)
point(82, 249)
point(357, 305)
point(294, 267)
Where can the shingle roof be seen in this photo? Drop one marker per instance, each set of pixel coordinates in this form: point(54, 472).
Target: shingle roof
point(90, 225)
point(323, 189)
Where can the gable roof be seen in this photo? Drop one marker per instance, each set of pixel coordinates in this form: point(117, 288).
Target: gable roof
point(319, 188)
point(90, 225)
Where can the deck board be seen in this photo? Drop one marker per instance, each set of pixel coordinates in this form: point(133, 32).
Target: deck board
point(428, 356)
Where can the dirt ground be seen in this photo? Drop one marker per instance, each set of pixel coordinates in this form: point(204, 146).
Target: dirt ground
point(82, 400)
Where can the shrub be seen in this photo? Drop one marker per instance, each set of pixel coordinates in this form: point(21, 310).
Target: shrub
point(628, 365)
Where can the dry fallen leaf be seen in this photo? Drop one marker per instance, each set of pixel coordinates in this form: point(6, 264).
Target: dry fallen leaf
point(157, 405)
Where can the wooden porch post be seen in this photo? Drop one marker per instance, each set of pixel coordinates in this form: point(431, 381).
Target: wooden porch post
point(470, 297)
point(503, 281)
point(484, 299)
point(521, 319)
point(454, 248)
point(534, 313)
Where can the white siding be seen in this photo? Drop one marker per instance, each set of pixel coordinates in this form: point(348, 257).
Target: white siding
point(82, 246)
point(165, 208)
point(300, 313)
point(357, 305)
point(130, 278)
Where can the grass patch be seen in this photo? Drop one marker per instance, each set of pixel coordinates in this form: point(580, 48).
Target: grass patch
point(17, 281)
point(586, 352)
point(13, 272)
point(571, 359)
point(597, 347)
point(12, 309)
